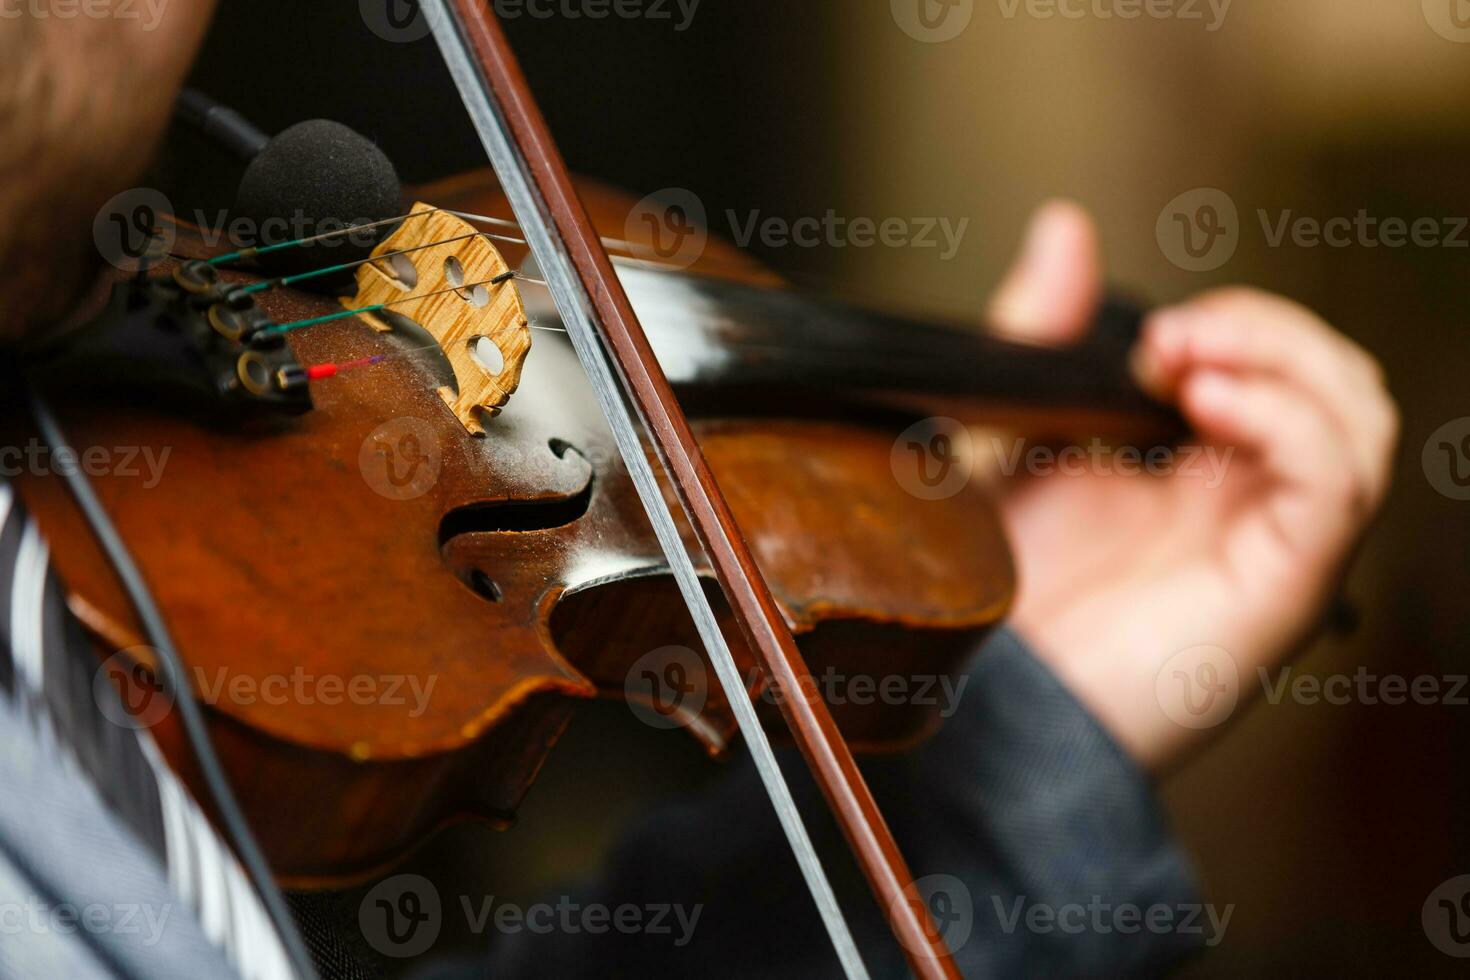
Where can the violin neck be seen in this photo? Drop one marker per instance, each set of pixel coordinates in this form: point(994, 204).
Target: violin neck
point(730, 346)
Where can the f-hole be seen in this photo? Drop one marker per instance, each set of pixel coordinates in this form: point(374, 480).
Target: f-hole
point(511, 516)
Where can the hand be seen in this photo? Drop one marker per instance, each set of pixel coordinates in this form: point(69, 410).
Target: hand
point(84, 101)
point(1119, 573)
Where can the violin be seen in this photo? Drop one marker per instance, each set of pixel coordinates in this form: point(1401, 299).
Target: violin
point(513, 459)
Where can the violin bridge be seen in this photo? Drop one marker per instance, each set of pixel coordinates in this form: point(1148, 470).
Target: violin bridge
point(430, 257)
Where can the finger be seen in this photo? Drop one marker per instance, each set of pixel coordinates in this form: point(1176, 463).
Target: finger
point(1319, 498)
point(1053, 288)
point(1245, 331)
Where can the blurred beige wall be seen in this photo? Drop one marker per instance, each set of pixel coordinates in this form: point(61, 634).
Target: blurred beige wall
point(1121, 115)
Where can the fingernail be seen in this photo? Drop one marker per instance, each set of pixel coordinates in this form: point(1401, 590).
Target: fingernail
point(1049, 221)
point(1146, 372)
point(1151, 362)
point(1212, 388)
point(1163, 327)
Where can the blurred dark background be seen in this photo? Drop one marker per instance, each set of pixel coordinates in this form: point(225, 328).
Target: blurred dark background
point(1326, 826)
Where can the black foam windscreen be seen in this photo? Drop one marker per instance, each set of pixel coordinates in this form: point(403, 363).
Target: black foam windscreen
point(314, 178)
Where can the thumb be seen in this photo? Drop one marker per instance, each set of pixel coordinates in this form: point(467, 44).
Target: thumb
point(1053, 287)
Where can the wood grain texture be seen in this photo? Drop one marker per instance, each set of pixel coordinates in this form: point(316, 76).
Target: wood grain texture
point(430, 255)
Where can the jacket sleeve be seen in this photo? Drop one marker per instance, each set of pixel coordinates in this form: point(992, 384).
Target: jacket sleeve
point(1034, 838)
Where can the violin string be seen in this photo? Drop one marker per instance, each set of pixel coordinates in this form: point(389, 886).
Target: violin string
point(259, 250)
point(330, 369)
point(621, 243)
point(650, 259)
point(647, 260)
point(318, 372)
point(265, 285)
point(281, 328)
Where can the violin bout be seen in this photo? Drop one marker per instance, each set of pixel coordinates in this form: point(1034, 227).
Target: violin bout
point(436, 270)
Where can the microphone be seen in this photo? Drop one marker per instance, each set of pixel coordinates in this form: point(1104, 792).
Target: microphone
point(313, 178)
point(220, 123)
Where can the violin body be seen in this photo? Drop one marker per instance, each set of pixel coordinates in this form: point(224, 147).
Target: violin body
point(446, 599)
